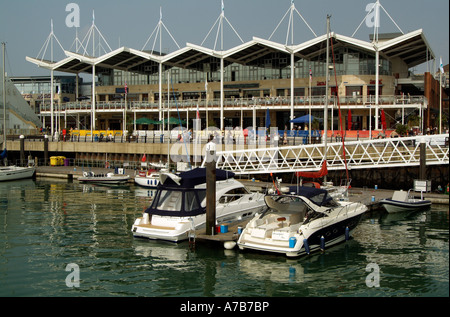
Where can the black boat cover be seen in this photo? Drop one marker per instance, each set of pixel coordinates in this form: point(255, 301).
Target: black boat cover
point(320, 197)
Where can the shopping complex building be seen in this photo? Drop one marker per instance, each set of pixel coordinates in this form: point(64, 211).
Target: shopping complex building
point(235, 87)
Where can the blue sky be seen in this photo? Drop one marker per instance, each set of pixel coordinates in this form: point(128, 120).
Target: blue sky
point(25, 24)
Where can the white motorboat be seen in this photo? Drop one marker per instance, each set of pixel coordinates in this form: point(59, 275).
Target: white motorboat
point(304, 221)
point(148, 179)
point(9, 173)
point(179, 205)
point(103, 179)
point(402, 202)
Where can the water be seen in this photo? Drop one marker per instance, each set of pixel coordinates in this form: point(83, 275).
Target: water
point(47, 224)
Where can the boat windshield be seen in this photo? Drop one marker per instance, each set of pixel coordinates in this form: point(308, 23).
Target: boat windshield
point(177, 203)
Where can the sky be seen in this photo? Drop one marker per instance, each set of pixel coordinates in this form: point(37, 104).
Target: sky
point(26, 24)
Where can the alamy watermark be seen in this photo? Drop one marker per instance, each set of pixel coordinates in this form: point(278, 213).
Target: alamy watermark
point(73, 18)
point(73, 278)
point(373, 16)
point(373, 278)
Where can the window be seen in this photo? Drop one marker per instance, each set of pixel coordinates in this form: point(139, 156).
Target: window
point(233, 195)
point(190, 201)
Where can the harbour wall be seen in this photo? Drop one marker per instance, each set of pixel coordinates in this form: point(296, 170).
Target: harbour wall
point(130, 154)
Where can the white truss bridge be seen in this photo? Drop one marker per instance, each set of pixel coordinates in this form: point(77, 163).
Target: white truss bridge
point(376, 153)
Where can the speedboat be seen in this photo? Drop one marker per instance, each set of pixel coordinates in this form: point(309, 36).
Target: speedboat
point(103, 179)
point(301, 221)
point(148, 179)
point(9, 173)
point(179, 205)
point(402, 202)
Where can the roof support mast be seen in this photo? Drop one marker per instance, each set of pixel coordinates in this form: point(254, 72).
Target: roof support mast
point(376, 25)
point(220, 30)
point(43, 50)
point(290, 30)
point(158, 31)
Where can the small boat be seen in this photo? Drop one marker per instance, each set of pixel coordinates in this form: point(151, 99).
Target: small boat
point(9, 173)
point(179, 205)
point(103, 179)
point(302, 221)
point(402, 202)
point(148, 178)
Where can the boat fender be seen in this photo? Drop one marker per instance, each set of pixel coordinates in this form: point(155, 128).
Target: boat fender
point(347, 233)
point(322, 243)
point(229, 245)
point(305, 243)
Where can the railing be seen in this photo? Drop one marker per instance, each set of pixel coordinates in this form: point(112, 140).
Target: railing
point(378, 153)
point(237, 103)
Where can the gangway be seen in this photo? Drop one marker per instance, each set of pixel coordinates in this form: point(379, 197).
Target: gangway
point(375, 153)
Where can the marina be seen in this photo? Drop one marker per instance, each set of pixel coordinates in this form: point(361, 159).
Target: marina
point(48, 223)
point(121, 187)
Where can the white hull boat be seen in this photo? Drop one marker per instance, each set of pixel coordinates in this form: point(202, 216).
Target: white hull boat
point(302, 222)
point(179, 205)
point(10, 173)
point(147, 179)
point(402, 202)
point(103, 179)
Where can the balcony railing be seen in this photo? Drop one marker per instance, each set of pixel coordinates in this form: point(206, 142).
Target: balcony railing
point(238, 103)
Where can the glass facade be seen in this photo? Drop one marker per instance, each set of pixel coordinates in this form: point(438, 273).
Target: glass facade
point(348, 61)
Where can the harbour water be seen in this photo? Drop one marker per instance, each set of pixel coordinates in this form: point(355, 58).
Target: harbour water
point(60, 238)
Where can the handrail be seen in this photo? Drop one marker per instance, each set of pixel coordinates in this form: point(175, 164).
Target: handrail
point(391, 152)
point(237, 103)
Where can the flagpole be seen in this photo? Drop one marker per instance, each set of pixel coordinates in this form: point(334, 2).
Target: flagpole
point(441, 70)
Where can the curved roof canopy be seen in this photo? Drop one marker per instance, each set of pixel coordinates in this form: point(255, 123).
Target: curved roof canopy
point(412, 48)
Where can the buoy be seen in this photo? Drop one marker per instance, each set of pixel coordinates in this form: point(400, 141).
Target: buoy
point(347, 233)
point(229, 245)
point(322, 243)
point(305, 243)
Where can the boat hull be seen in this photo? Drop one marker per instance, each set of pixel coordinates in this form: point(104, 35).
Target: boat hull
point(394, 206)
point(114, 180)
point(148, 182)
point(290, 240)
point(180, 228)
point(15, 173)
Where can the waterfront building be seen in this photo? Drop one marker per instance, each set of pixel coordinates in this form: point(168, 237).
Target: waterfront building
point(372, 82)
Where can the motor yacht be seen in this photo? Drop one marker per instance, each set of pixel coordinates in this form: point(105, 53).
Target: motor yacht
point(103, 179)
point(299, 222)
point(179, 205)
point(148, 178)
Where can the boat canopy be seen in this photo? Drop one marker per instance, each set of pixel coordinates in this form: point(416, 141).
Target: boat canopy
point(194, 177)
point(177, 195)
point(318, 196)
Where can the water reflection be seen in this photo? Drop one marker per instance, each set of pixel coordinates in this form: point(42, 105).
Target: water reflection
point(46, 224)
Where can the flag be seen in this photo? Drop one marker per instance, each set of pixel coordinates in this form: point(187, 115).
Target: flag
point(310, 74)
point(441, 66)
point(383, 120)
point(198, 113)
point(144, 158)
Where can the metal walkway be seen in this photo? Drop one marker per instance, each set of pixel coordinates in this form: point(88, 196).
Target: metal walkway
point(378, 153)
